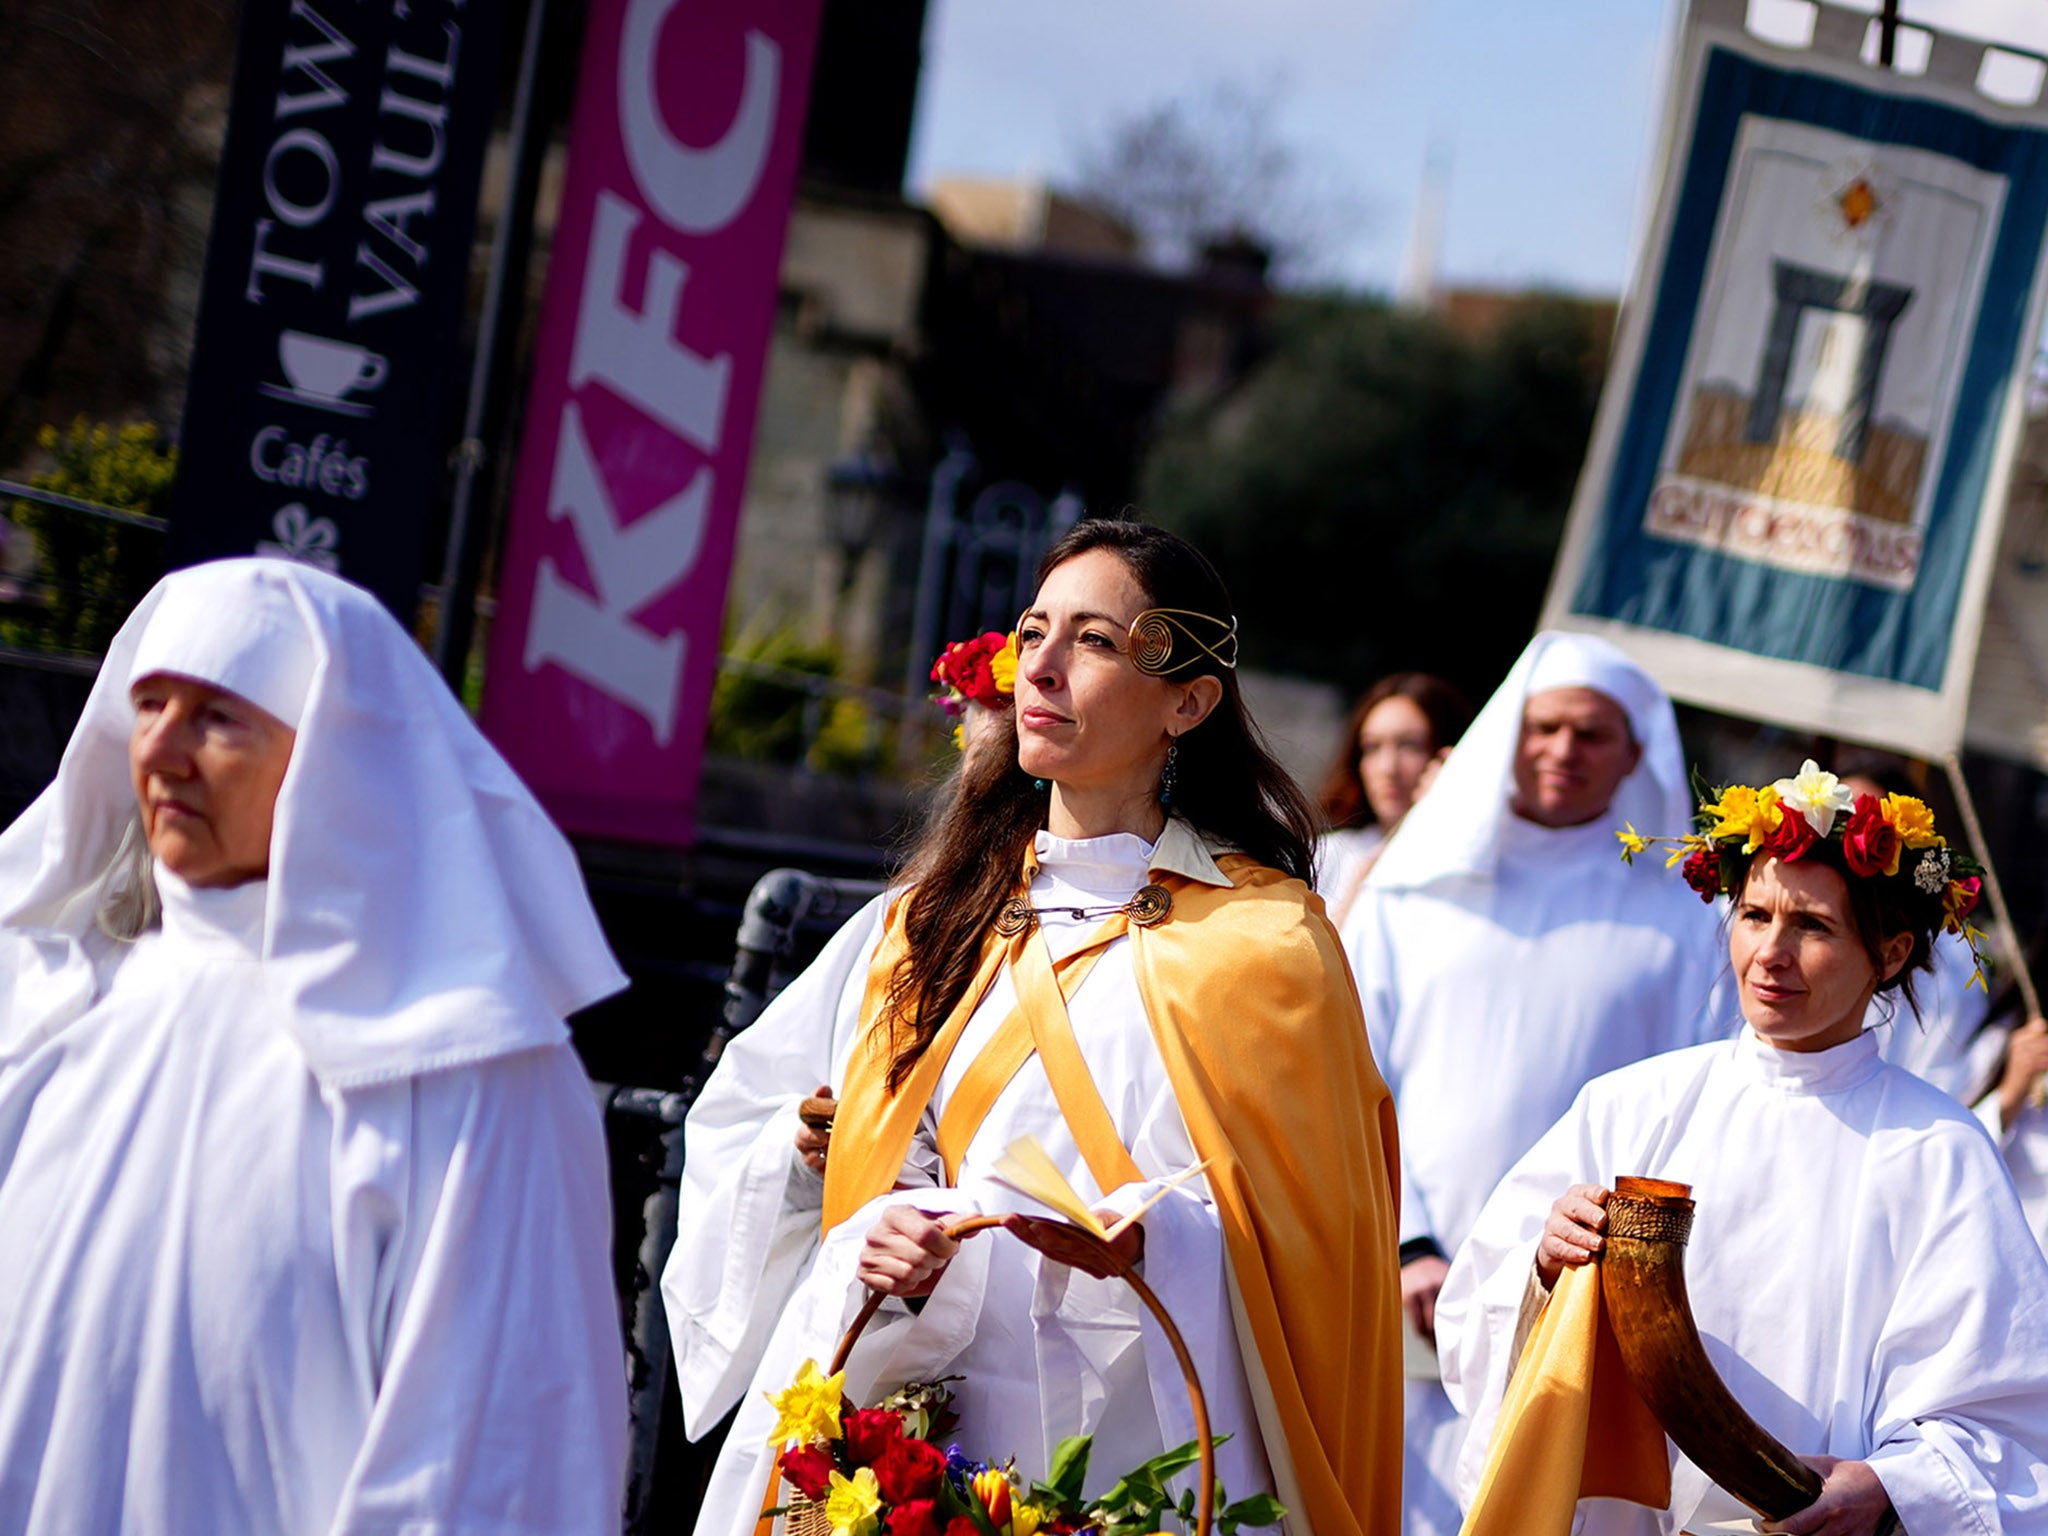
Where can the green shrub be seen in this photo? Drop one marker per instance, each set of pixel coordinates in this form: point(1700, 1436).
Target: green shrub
point(91, 569)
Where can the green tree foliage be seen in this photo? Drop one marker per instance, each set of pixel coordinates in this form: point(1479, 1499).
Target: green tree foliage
point(1387, 492)
point(92, 570)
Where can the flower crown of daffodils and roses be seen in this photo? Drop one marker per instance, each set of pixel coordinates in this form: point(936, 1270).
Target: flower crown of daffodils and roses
point(1888, 838)
point(880, 1472)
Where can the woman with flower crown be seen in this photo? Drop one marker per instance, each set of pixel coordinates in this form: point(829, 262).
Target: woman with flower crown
point(1859, 1268)
point(1106, 943)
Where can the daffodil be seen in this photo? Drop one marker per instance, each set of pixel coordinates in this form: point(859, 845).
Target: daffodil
point(1913, 821)
point(1815, 794)
point(1750, 814)
point(808, 1409)
point(1002, 666)
point(1632, 842)
point(853, 1507)
point(1025, 1519)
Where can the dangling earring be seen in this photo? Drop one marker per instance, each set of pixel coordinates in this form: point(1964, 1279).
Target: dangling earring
point(1039, 785)
point(1169, 775)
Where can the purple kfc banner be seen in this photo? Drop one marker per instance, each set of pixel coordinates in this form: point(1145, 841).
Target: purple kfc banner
point(654, 335)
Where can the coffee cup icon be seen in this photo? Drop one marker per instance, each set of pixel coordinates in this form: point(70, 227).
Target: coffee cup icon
point(323, 371)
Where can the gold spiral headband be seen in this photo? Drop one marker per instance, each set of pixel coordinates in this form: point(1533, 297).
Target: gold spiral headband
point(1153, 643)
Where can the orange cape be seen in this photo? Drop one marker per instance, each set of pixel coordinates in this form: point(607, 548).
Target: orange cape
point(1256, 1017)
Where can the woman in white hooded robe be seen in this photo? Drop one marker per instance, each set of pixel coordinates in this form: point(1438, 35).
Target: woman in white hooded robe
point(1859, 1269)
point(303, 1191)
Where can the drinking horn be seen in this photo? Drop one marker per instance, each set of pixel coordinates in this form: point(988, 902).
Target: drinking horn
point(1643, 1281)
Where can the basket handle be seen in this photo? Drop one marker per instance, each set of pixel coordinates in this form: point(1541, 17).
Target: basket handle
point(1115, 1264)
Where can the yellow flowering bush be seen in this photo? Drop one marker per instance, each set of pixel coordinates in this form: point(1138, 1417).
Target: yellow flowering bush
point(93, 570)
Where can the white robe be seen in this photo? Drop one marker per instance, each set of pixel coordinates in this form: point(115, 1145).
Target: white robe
point(234, 1300)
point(747, 1226)
point(1489, 1004)
point(1343, 858)
point(2025, 1150)
point(1046, 1352)
point(1858, 1267)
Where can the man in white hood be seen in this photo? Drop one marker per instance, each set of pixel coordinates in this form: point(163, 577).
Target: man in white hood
point(1505, 956)
point(303, 1195)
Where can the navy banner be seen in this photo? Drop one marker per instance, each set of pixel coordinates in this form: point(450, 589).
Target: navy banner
point(1799, 468)
point(317, 415)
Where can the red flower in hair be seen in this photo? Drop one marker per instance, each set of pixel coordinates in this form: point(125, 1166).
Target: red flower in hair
point(1790, 839)
point(1703, 872)
point(1870, 843)
point(809, 1470)
point(970, 670)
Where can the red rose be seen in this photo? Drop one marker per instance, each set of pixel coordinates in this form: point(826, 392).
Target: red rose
point(920, 1517)
point(1703, 872)
point(1869, 842)
point(809, 1470)
point(1790, 839)
point(960, 1525)
point(869, 1433)
point(910, 1469)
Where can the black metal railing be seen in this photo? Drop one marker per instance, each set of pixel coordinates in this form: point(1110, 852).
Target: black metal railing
point(70, 571)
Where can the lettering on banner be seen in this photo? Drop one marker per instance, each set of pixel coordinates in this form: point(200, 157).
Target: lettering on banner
point(632, 351)
point(1819, 541)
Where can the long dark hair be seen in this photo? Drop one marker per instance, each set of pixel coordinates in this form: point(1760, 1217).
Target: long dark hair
point(967, 863)
point(1441, 701)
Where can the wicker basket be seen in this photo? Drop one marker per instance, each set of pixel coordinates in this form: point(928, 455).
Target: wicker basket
point(801, 1517)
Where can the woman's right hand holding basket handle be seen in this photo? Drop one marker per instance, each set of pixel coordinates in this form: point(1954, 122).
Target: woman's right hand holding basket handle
point(905, 1253)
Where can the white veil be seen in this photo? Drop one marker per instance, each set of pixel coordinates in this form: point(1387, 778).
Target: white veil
point(422, 910)
point(1456, 829)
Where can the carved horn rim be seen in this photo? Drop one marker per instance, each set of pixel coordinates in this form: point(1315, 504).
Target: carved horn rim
point(1643, 1281)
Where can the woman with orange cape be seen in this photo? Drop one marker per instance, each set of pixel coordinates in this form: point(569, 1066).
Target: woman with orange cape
point(1107, 944)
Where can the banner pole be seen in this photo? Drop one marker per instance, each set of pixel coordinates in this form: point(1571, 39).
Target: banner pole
point(2001, 915)
point(491, 380)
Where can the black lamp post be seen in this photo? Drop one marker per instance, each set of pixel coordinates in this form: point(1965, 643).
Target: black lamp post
point(859, 488)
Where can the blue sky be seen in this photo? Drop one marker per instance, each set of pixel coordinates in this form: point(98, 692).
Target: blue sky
point(1548, 109)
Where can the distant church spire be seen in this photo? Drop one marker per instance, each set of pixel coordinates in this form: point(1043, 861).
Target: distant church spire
point(1417, 286)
